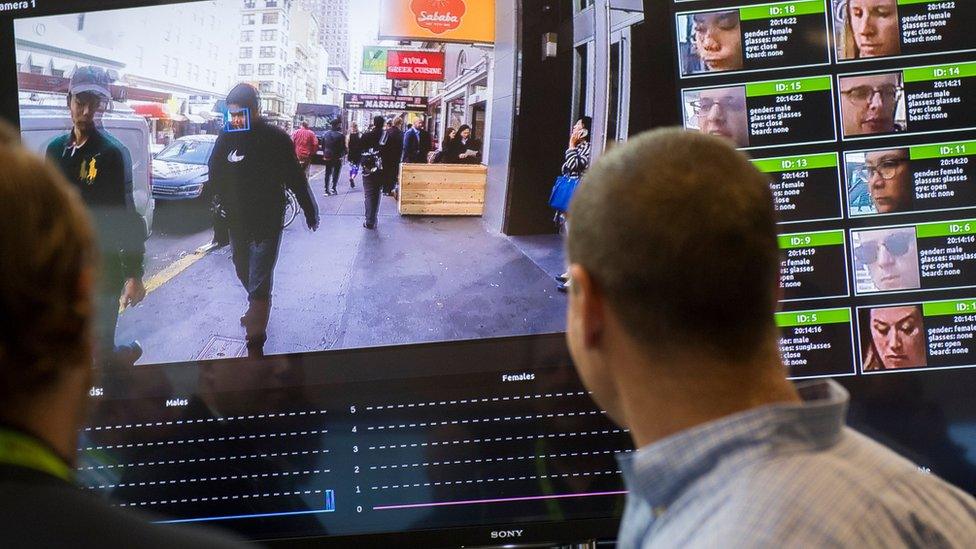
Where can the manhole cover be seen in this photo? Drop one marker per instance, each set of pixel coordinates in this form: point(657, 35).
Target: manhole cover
point(222, 347)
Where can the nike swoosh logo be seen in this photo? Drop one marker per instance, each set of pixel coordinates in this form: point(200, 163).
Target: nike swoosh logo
point(233, 156)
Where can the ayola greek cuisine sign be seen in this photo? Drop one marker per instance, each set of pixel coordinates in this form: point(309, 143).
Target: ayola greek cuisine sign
point(415, 65)
point(468, 21)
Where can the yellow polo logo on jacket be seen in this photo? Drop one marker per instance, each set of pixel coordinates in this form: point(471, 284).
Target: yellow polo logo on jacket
point(88, 171)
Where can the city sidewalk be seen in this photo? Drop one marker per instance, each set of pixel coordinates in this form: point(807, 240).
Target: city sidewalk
point(412, 279)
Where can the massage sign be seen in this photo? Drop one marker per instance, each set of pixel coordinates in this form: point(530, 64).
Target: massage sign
point(438, 16)
point(415, 65)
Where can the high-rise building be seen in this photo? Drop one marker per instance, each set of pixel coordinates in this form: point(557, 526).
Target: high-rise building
point(333, 18)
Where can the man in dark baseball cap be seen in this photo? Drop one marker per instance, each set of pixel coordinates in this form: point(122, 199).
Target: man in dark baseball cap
point(100, 168)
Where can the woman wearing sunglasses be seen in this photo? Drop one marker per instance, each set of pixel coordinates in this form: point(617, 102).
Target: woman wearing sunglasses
point(890, 257)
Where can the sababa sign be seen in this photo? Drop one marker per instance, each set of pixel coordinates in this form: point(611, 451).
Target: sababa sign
point(465, 21)
point(397, 103)
point(415, 65)
point(438, 16)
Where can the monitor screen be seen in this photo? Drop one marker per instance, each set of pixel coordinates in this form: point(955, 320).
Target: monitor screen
point(170, 67)
point(354, 422)
point(414, 379)
point(860, 113)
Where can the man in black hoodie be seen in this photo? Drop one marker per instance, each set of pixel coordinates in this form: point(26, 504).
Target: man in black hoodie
point(252, 164)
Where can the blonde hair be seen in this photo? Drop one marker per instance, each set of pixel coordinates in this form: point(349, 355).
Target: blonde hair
point(47, 244)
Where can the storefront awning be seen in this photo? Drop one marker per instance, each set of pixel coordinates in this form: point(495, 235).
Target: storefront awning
point(151, 110)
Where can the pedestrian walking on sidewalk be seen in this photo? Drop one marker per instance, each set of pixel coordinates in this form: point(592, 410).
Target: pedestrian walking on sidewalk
point(416, 142)
point(392, 155)
point(372, 166)
point(251, 166)
point(99, 166)
point(354, 150)
point(333, 149)
point(306, 145)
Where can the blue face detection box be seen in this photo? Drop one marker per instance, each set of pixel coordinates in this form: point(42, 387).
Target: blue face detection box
point(238, 120)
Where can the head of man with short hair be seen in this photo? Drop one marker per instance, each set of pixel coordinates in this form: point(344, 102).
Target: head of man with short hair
point(46, 276)
point(305, 124)
point(674, 265)
point(699, 278)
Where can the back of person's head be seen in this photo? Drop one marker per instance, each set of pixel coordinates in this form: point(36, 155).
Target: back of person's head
point(398, 122)
point(336, 124)
point(47, 249)
point(305, 124)
point(677, 229)
point(378, 122)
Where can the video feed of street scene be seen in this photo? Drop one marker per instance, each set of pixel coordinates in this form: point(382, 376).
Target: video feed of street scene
point(280, 176)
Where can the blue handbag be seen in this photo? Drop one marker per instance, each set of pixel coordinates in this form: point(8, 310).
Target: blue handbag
point(562, 192)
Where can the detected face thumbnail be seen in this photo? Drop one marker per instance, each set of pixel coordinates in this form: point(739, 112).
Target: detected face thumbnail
point(711, 42)
point(896, 340)
point(719, 111)
point(869, 28)
point(869, 104)
point(890, 258)
point(885, 178)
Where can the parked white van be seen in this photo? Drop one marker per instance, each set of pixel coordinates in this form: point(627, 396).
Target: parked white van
point(43, 122)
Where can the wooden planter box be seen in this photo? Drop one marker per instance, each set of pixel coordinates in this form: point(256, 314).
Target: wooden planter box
point(442, 189)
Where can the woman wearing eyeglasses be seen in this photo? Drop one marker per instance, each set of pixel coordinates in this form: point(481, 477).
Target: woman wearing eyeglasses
point(890, 257)
point(870, 28)
point(889, 179)
point(868, 103)
point(897, 339)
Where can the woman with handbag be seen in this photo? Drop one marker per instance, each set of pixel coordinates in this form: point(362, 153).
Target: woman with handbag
point(575, 161)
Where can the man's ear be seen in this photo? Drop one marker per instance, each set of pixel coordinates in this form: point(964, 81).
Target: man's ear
point(590, 304)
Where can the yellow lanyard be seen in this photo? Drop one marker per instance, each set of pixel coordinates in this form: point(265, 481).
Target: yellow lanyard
point(25, 451)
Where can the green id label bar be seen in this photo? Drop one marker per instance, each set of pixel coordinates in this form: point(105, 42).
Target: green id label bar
point(952, 228)
point(943, 308)
point(808, 318)
point(940, 72)
point(942, 150)
point(811, 240)
point(780, 87)
point(795, 163)
point(782, 9)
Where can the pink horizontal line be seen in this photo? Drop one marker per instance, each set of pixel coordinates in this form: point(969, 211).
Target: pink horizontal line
point(498, 500)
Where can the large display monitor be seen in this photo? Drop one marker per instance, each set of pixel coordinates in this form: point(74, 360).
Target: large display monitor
point(858, 111)
point(341, 433)
point(861, 113)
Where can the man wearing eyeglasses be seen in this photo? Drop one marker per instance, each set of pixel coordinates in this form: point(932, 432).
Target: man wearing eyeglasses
point(890, 257)
point(889, 177)
point(722, 112)
point(868, 103)
point(100, 168)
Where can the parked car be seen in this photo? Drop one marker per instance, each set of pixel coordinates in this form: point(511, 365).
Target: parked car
point(180, 170)
point(41, 122)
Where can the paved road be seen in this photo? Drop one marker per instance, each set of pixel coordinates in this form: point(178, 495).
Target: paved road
point(413, 279)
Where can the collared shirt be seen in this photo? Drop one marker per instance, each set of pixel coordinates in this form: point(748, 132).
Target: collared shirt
point(787, 475)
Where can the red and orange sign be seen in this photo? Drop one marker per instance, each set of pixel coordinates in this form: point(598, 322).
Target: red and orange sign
point(415, 65)
point(468, 21)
